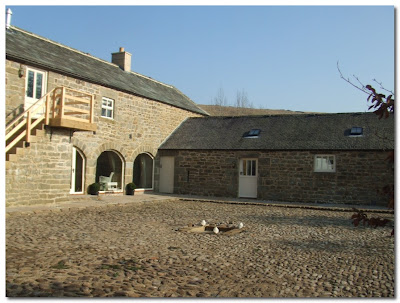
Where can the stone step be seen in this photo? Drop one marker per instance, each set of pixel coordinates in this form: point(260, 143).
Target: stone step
point(12, 157)
point(19, 149)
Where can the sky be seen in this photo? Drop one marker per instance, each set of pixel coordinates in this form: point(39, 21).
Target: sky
point(282, 57)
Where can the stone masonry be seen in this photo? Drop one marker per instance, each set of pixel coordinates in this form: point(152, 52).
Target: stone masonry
point(42, 173)
point(285, 175)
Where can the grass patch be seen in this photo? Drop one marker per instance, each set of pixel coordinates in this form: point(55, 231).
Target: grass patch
point(60, 265)
point(126, 265)
point(110, 266)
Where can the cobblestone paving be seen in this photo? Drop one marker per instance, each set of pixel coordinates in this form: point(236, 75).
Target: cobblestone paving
point(136, 250)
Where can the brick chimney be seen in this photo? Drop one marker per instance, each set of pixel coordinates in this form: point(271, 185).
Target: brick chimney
point(122, 59)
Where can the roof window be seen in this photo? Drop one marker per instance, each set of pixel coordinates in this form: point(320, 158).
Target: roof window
point(356, 131)
point(252, 133)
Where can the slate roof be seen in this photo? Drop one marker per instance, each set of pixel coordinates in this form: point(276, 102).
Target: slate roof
point(31, 49)
point(284, 132)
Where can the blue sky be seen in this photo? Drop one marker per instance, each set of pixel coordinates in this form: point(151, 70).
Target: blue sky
point(284, 57)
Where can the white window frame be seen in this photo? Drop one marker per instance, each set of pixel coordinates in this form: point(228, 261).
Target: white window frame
point(43, 83)
point(29, 101)
point(107, 108)
point(325, 163)
point(248, 167)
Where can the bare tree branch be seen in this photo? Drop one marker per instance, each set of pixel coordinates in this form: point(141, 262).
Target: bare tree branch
point(362, 88)
point(382, 87)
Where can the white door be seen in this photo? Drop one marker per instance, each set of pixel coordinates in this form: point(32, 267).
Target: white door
point(167, 174)
point(35, 87)
point(78, 172)
point(248, 178)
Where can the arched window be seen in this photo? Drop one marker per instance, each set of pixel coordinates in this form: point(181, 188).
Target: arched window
point(109, 171)
point(143, 171)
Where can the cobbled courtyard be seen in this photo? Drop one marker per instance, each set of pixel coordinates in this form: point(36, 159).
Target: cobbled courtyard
point(137, 250)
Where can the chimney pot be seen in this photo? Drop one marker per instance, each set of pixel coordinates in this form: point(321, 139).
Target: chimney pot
point(8, 18)
point(121, 49)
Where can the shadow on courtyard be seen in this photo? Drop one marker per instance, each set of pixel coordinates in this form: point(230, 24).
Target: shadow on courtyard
point(55, 289)
point(318, 221)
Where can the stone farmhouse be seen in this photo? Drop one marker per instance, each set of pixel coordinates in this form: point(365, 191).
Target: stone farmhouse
point(73, 119)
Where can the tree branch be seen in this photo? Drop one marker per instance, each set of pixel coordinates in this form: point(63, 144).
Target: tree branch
point(363, 88)
point(382, 87)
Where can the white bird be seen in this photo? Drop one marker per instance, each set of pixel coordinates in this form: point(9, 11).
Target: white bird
point(216, 230)
point(240, 225)
point(203, 222)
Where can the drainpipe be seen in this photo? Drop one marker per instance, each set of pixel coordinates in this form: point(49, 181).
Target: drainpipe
point(8, 18)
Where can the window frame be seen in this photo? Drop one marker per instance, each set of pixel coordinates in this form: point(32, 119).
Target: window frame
point(253, 133)
point(43, 83)
point(248, 167)
point(321, 169)
point(356, 131)
point(107, 108)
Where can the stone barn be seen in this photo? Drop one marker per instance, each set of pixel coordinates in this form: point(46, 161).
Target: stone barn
point(327, 158)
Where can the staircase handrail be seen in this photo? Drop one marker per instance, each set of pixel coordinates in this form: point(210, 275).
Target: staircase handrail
point(12, 122)
point(15, 129)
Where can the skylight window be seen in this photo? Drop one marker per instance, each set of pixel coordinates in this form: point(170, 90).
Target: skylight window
point(356, 131)
point(254, 133)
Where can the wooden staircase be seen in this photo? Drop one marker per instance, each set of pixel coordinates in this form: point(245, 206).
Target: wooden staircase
point(61, 107)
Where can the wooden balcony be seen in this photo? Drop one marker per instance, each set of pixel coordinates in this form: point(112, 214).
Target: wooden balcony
point(61, 107)
point(72, 109)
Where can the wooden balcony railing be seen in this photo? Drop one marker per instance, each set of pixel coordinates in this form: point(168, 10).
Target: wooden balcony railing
point(61, 107)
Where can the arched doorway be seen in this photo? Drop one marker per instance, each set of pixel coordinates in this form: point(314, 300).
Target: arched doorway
point(77, 171)
point(110, 171)
point(143, 168)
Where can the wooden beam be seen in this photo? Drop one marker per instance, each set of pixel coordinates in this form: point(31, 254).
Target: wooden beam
point(74, 124)
point(78, 110)
point(91, 117)
point(76, 119)
point(80, 100)
point(14, 130)
point(61, 113)
point(53, 115)
point(15, 141)
point(28, 127)
point(72, 113)
point(47, 114)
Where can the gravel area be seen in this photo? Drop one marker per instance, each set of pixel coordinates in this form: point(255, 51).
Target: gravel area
point(137, 250)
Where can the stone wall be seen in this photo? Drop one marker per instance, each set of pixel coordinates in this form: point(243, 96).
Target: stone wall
point(42, 173)
point(285, 175)
point(15, 89)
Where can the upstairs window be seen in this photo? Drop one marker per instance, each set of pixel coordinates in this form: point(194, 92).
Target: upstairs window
point(107, 108)
point(254, 133)
point(35, 84)
point(324, 163)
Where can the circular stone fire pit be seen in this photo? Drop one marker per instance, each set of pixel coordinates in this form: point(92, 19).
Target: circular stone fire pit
point(224, 229)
